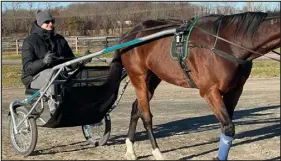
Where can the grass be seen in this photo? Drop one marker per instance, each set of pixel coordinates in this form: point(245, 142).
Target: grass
point(11, 74)
point(11, 57)
point(265, 69)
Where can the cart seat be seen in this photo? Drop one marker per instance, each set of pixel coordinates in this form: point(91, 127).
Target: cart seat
point(30, 91)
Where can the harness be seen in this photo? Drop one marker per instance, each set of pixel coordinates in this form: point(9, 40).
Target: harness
point(180, 44)
point(180, 54)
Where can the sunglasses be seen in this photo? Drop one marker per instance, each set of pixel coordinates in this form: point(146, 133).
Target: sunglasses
point(47, 22)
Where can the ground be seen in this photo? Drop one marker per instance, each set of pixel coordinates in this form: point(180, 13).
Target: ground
point(184, 126)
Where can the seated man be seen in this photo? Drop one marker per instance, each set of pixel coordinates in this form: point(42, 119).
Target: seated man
point(40, 52)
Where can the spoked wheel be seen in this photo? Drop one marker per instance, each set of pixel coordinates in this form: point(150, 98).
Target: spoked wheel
point(25, 141)
point(98, 134)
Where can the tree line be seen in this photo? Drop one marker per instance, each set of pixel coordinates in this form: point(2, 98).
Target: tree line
point(109, 18)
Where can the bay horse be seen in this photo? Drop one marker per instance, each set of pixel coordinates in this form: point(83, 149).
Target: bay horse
point(219, 80)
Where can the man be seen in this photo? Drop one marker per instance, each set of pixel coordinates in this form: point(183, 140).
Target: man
point(41, 51)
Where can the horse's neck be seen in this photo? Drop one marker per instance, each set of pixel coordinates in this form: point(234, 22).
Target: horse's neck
point(266, 38)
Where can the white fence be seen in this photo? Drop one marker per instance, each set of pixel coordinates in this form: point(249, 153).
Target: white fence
point(77, 43)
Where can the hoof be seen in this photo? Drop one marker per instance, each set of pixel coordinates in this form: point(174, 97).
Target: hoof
point(157, 154)
point(131, 156)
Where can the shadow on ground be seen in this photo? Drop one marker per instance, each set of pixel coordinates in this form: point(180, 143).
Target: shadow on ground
point(194, 125)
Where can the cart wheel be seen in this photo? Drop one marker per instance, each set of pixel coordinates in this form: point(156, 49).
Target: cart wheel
point(98, 134)
point(25, 141)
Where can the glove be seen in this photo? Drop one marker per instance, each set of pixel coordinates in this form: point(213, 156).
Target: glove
point(49, 58)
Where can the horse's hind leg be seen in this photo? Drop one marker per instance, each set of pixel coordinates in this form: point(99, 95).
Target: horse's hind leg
point(152, 83)
point(214, 98)
point(135, 115)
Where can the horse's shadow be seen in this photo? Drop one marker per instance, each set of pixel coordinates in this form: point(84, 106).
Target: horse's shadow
point(198, 124)
point(208, 122)
point(263, 134)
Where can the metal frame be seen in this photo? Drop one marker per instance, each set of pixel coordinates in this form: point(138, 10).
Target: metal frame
point(57, 69)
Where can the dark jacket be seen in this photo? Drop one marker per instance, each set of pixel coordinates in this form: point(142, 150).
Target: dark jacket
point(34, 48)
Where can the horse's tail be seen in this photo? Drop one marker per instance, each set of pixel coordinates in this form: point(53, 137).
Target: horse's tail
point(116, 72)
point(116, 58)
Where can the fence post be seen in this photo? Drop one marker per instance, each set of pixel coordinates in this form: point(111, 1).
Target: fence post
point(106, 42)
point(17, 46)
point(76, 44)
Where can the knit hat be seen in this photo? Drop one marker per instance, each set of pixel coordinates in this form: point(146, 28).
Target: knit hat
point(42, 16)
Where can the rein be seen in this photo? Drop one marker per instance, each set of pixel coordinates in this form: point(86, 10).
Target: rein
point(228, 56)
point(217, 37)
point(275, 52)
point(273, 17)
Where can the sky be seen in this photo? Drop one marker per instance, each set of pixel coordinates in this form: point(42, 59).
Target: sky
point(61, 3)
point(36, 4)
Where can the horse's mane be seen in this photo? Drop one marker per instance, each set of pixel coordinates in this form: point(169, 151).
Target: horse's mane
point(247, 22)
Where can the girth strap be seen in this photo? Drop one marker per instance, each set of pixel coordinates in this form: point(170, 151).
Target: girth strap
point(186, 71)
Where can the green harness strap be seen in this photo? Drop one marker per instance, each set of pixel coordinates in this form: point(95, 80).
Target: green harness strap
point(190, 27)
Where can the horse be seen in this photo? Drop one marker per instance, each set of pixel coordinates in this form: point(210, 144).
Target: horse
point(219, 77)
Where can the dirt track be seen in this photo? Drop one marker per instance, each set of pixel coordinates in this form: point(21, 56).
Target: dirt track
point(184, 126)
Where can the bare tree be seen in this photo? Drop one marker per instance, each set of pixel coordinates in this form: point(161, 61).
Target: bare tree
point(30, 6)
point(15, 7)
point(250, 6)
point(31, 14)
point(121, 17)
point(4, 26)
point(97, 16)
point(38, 6)
point(277, 8)
point(48, 5)
point(229, 7)
point(257, 6)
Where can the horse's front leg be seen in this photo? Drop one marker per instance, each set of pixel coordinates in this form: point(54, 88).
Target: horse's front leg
point(215, 102)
